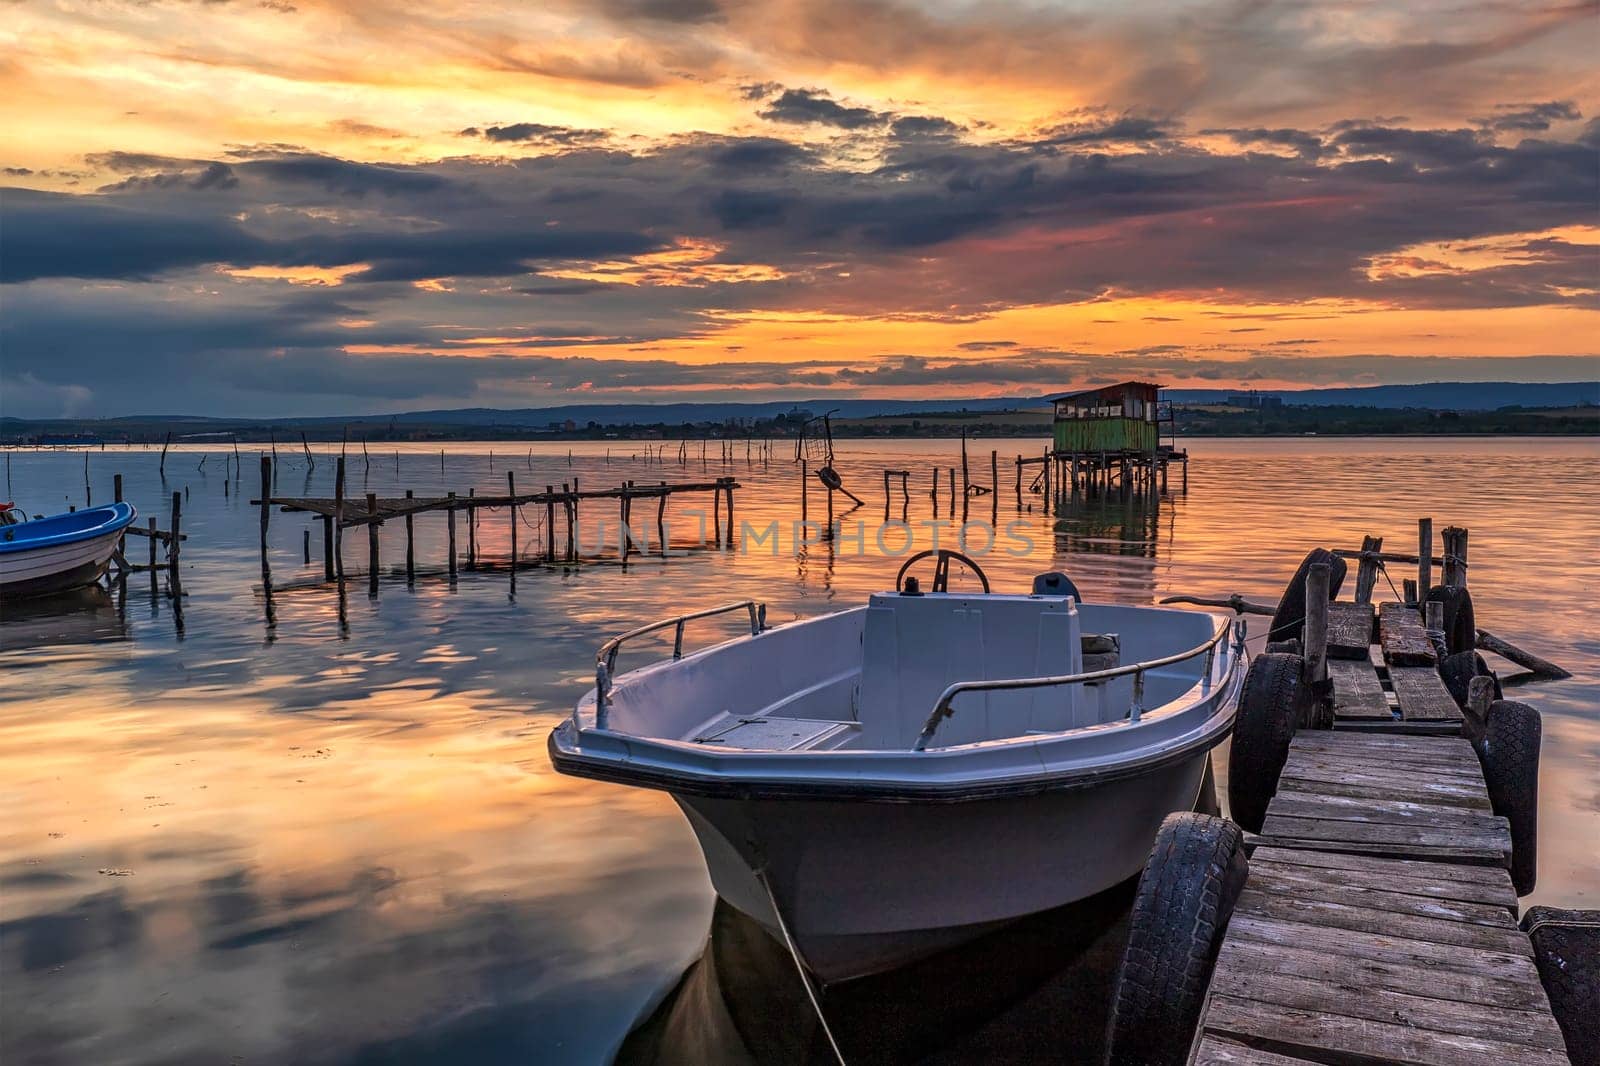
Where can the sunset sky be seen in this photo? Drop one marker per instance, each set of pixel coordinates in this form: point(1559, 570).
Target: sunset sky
point(281, 207)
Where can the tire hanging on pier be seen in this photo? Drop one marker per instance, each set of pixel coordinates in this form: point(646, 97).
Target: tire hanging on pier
point(1186, 894)
point(1458, 670)
point(1460, 625)
point(1273, 703)
point(1509, 752)
point(1566, 947)
point(1289, 621)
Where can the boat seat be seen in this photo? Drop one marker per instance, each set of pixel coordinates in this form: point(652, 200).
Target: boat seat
point(772, 733)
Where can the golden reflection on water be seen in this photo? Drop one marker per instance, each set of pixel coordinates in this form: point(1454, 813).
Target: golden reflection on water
point(334, 835)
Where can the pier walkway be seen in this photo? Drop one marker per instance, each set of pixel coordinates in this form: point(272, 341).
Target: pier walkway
point(1378, 923)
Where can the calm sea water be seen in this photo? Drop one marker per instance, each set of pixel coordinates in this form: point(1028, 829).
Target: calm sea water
point(322, 829)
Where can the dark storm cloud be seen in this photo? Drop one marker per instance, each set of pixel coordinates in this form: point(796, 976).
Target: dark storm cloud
point(684, 11)
point(1531, 118)
point(1304, 144)
point(801, 106)
point(910, 127)
point(538, 133)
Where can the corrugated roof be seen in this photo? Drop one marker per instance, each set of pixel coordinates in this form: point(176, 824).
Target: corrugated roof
point(1116, 390)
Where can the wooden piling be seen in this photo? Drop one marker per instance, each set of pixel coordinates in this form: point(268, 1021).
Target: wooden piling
point(966, 483)
point(155, 536)
point(1316, 627)
point(450, 528)
point(163, 468)
point(1367, 572)
point(550, 523)
point(661, 518)
point(1455, 556)
point(372, 543)
point(338, 517)
point(1424, 555)
point(511, 491)
point(411, 551)
point(327, 548)
point(805, 486)
point(472, 532)
point(266, 501)
point(728, 486)
point(305, 544)
point(116, 488)
point(174, 546)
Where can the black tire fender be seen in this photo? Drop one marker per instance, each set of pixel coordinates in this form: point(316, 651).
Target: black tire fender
point(1186, 895)
point(1274, 702)
point(1509, 752)
point(1289, 620)
point(1460, 625)
point(1458, 670)
point(1566, 947)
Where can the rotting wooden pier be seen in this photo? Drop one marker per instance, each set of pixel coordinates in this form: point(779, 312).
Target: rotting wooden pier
point(342, 512)
point(1378, 920)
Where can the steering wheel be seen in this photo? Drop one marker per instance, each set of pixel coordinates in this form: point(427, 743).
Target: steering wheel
point(941, 569)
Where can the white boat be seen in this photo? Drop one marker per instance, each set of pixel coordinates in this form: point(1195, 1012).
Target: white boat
point(877, 784)
point(58, 552)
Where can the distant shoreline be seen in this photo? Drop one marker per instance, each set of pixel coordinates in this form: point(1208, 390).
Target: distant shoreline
point(1196, 421)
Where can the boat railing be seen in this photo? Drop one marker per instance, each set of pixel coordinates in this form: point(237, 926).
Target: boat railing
point(606, 659)
point(944, 707)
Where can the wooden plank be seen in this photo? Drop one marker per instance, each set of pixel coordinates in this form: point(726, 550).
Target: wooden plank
point(1361, 972)
point(1405, 641)
point(1350, 865)
point(1356, 690)
point(1486, 839)
point(1393, 899)
point(1286, 1029)
point(1383, 811)
point(1422, 694)
point(1419, 790)
point(1439, 1014)
point(1434, 853)
point(1219, 1051)
point(1410, 926)
point(1349, 631)
point(1356, 770)
point(1504, 966)
point(1460, 750)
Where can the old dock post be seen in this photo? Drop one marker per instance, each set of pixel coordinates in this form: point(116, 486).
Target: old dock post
point(411, 558)
point(1424, 556)
point(338, 519)
point(511, 491)
point(472, 532)
point(372, 544)
point(450, 528)
point(550, 522)
point(266, 503)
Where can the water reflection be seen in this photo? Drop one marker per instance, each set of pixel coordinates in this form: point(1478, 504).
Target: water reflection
point(1037, 990)
point(82, 616)
point(323, 828)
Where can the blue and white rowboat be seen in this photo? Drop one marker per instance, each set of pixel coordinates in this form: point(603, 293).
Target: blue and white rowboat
point(60, 552)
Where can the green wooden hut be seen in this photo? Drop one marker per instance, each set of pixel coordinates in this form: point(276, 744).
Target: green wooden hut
point(1116, 418)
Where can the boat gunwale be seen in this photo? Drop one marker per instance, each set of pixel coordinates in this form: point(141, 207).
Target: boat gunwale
point(119, 516)
point(565, 745)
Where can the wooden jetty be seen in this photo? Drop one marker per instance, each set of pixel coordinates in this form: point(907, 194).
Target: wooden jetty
point(341, 512)
point(1378, 920)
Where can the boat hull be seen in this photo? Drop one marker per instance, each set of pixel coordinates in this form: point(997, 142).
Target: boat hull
point(870, 886)
point(56, 568)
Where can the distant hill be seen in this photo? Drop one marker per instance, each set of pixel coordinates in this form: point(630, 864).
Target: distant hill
point(492, 422)
point(1434, 396)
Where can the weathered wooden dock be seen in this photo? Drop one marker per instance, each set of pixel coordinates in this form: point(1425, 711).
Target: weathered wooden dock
point(1378, 920)
point(341, 512)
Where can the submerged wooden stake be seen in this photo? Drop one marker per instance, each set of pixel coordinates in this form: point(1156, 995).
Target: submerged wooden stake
point(450, 527)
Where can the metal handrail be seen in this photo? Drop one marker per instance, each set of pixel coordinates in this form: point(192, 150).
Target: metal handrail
point(943, 708)
point(606, 658)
